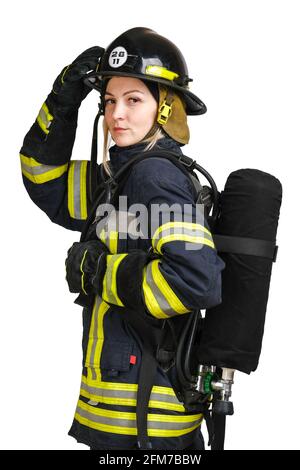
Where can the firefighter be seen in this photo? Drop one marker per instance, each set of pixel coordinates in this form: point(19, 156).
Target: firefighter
point(154, 277)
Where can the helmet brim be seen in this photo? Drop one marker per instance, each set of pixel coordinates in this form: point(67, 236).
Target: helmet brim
point(194, 106)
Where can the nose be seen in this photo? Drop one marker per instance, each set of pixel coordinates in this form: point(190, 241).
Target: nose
point(119, 111)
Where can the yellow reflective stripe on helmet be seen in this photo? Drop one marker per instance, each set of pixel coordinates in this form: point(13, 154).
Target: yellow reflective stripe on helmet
point(96, 334)
point(184, 231)
point(118, 422)
point(110, 293)
point(162, 72)
point(39, 173)
point(126, 394)
point(77, 197)
point(160, 299)
point(44, 118)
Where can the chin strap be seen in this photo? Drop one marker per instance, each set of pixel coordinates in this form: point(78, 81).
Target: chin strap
point(93, 182)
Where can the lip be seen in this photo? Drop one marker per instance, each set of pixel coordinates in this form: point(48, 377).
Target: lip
point(119, 129)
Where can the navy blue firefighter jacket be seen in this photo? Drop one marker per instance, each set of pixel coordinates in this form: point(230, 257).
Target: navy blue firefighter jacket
point(178, 281)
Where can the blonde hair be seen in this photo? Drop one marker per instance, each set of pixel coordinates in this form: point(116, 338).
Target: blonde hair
point(158, 134)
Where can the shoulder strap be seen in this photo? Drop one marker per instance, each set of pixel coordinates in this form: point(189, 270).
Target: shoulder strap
point(111, 186)
point(182, 162)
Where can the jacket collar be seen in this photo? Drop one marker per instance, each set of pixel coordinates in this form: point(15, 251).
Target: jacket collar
point(120, 155)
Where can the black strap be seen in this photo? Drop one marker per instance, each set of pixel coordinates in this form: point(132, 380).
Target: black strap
point(246, 246)
point(145, 384)
point(149, 331)
point(93, 163)
point(178, 160)
point(219, 425)
point(209, 422)
point(184, 163)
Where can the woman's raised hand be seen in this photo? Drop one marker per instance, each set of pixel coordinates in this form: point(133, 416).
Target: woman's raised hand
point(69, 89)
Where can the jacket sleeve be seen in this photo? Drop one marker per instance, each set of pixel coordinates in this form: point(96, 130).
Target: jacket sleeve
point(184, 271)
point(55, 184)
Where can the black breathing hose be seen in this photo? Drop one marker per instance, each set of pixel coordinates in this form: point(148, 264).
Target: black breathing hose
point(215, 193)
point(185, 383)
point(190, 342)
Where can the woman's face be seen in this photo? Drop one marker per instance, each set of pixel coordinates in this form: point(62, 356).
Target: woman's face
point(130, 110)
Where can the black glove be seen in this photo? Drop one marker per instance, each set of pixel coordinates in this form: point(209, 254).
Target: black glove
point(69, 89)
point(86, 266)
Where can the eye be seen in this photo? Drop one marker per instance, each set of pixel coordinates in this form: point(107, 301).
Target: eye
point(134, 100)
point(109, 100)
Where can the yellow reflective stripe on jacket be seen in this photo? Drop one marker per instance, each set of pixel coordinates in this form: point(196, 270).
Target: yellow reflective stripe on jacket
point(96, 335)
point(160, 299)
point(118, 225)
point(110, 292)
point(77, 197)
point(123, 394)
point(39, 173)
point(181, 231)
point(44, 118)
point(110, 239)
point(118, 422)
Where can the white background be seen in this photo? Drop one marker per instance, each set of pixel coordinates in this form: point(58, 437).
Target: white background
point(244, 58)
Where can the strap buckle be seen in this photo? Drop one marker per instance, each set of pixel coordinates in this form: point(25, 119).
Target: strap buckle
point(111, 182)
point(187, 161)
point(164, 113)
point(144, 444)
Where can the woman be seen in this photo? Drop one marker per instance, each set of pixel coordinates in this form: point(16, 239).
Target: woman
point(130, 281)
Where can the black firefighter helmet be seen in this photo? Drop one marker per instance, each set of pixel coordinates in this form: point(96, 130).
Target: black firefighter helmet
point(144, 54)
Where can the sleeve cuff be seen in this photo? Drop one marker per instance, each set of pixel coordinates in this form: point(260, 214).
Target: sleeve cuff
point(122, 282)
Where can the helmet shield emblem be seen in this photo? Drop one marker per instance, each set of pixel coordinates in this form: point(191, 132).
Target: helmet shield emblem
point(117, 57)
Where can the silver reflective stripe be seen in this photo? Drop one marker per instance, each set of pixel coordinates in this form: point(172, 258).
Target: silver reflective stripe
point(159, 297)
point(39, 173)
point(126, 394)
point(183, 231)
point(93, 336)
point(96, 338)
point(77, 198)
point(44, 118)
point(108, 393)
point(118, 419)
point(38, 170)
point(187, 232)
point(110, 287)
point(109, 297)
point(77, 188)
point(118, 225)
point(93, 373)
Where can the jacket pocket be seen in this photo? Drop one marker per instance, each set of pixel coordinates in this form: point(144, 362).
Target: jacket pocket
point(117, 357)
